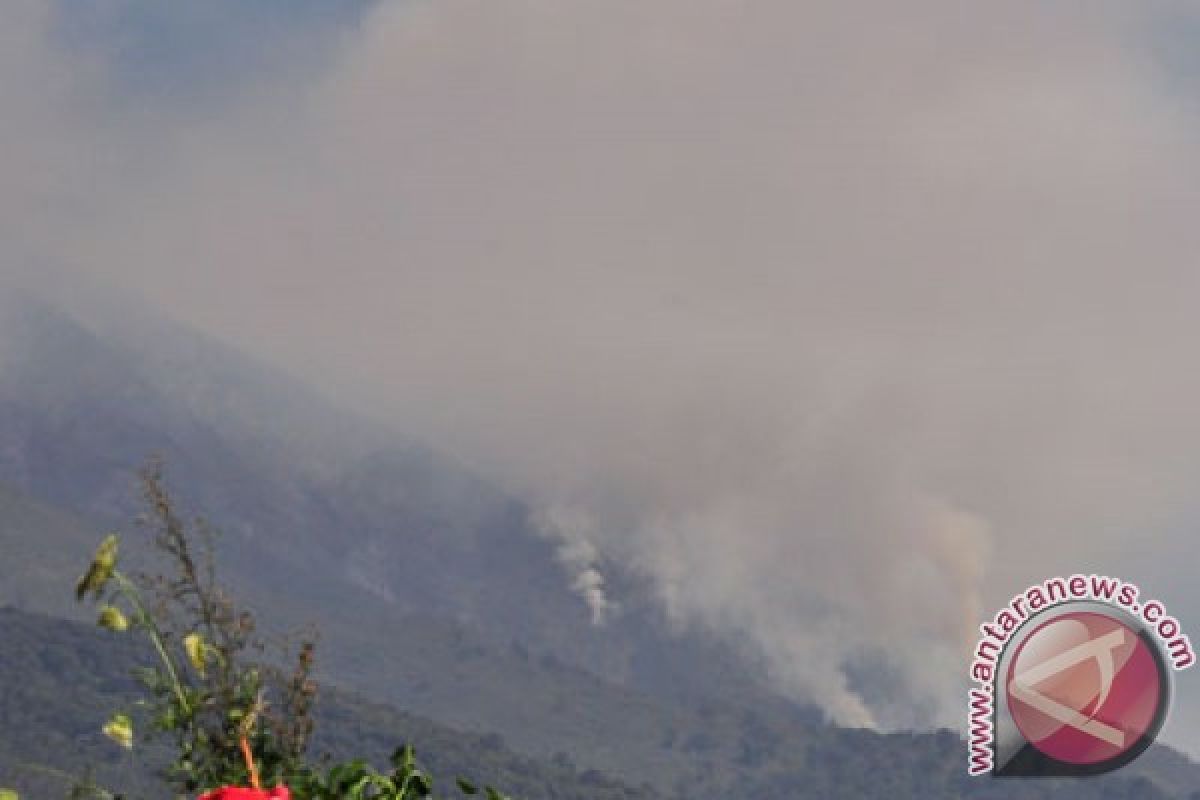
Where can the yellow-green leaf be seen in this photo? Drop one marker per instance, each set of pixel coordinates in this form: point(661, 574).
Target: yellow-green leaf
point(197, 651)
point(120, 730)
point(110, 617)
point(8, 794)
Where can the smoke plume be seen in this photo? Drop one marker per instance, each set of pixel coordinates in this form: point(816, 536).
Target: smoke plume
point(840, 324)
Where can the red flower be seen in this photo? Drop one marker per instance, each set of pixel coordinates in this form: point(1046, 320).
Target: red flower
point(236, 793)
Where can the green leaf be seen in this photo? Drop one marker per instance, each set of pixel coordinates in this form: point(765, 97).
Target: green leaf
point(111, 618)
point(167, 719)
point(344, 776)
point(404, 758)
point(466, 787)
point(120, 730)
point(197, 651)
point(148, 677)
point(8, 794)
point(359, 790)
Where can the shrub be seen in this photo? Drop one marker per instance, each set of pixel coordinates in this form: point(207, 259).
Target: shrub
point(212, 690)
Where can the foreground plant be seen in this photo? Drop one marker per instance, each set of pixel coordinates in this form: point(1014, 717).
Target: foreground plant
point(234, 724)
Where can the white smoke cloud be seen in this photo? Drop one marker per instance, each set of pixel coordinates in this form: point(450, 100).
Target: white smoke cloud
point(839, 325)
point(571, 528)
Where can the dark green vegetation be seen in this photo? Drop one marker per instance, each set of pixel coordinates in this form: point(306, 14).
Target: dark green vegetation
point(431, 591)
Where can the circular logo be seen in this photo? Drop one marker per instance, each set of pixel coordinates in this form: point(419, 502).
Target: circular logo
point(1085, 688)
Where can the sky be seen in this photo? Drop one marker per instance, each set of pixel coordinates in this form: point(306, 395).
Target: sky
point(841, 324)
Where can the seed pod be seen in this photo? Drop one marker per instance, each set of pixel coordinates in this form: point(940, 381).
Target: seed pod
point(100, 570)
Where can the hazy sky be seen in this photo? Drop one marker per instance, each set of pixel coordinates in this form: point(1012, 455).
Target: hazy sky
point(841, 322)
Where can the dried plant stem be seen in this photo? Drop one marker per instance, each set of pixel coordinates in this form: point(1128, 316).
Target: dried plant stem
point(251, 767)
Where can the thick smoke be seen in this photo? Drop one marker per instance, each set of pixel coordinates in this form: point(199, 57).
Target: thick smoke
point(839, 324)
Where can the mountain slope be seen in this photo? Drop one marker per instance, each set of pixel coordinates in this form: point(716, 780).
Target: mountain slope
point(308, 494)
point(59, 680)
point(431, 589)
